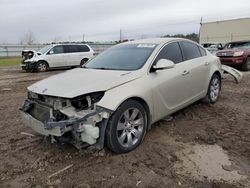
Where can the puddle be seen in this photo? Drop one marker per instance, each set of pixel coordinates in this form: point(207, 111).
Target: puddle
point(201, 162)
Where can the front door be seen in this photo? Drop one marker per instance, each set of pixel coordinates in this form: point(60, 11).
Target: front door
point(171, 86)
point(56, 57)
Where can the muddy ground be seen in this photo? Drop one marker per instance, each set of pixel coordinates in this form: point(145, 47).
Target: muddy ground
point(201, 146)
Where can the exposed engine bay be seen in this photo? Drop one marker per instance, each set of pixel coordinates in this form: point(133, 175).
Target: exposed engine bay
point(27, 54)
point(78, 121)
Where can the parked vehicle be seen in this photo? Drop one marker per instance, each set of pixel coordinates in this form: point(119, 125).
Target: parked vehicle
point(55, 56)
point(236, 54)
point(213, 47)
point(118, 95)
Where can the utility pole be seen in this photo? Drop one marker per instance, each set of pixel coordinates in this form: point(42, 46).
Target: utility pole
point(200, 30)
point(120, 35)
point(83, 36)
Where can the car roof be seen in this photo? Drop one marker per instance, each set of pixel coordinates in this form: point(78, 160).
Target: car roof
point(154, 40)
point(69, 44)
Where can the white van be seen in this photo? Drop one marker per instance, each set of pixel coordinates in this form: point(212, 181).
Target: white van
point(56, 55)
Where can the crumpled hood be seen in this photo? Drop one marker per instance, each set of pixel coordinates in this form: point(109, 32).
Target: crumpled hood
point(35, 56)
point(81, 81)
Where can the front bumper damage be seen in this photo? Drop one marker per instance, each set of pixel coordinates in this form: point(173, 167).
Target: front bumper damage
point(80, 128)
point(28, 65)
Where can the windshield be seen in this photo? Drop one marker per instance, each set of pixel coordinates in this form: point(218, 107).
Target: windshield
point(44, 49)
point(238, 45)
point(122, 57)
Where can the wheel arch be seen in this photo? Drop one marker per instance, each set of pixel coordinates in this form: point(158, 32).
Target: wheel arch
point(145, 106)
point(44, 61)
point(217, 73)
point(85, 59)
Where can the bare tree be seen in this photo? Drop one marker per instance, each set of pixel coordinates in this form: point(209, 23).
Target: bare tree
point(28, 38)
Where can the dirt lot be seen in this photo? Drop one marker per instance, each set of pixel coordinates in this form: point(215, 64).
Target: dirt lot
point(201, 146)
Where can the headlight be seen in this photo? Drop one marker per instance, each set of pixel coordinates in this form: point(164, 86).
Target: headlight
point(32, 95)
point(239, 53)
point(86, 101)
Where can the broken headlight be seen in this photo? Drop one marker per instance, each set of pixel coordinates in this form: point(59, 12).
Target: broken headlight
point(86, 101)
point(32, 95)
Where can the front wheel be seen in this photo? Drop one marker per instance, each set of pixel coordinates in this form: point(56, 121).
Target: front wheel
point(41, 67)
point(126, 127)
point(213, 89)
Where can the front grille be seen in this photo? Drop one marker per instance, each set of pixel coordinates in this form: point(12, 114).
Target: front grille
point(39, 112)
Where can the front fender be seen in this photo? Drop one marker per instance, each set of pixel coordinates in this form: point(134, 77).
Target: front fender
point(139, 88)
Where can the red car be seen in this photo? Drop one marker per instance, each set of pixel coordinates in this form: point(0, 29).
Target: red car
point(236, 54)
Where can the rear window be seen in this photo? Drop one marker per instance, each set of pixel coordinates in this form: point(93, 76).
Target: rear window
point(83, 48)
point(190, 50)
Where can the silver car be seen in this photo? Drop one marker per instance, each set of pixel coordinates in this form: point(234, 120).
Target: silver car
point(117, 96)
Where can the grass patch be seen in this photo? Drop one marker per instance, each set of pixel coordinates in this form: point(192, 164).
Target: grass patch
point(10, 61)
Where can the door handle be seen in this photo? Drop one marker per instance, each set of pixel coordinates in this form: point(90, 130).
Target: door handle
point(206, 63)
point(185, 72)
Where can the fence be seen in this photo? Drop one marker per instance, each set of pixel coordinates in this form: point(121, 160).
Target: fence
point(10, 50)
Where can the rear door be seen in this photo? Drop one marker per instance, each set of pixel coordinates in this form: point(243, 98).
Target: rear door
point(71, 55)
point(75, 53)
point(198, 67)
point(85, 52)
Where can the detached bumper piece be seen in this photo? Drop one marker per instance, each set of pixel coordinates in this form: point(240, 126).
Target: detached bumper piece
point(237, 75)
point(87, 130)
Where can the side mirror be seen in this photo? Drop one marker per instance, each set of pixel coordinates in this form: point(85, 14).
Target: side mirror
point(51, 52)
point(164, 64)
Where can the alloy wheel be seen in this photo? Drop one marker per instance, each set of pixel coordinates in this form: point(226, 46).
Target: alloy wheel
point(130, 127)
point(42, 67)
point(214, 89)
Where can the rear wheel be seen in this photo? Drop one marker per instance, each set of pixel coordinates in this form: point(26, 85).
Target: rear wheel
point(213, 89)
point(246, 65)
point(83, 61)
point(41, 66)
point(127, 127)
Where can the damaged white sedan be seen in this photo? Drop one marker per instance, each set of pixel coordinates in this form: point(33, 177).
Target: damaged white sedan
point(116, 97)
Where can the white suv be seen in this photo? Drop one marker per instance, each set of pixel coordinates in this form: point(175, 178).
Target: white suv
point(57, 55)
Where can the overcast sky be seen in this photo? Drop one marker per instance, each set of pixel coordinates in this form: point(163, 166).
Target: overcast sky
point(101, 20)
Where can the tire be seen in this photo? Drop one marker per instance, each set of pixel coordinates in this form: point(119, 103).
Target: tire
point(213, 89)
point(83, 61)
point(126, 127)
point(42, 66)
point(246, 65)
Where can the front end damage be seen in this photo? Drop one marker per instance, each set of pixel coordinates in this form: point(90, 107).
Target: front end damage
point(78, 121)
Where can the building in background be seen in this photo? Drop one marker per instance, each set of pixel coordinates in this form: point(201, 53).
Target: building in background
point(225, 31)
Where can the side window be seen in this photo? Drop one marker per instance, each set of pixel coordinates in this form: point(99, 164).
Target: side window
point(71, 48)
point(203, 52)
point(57, 50)
point(172, 52)
point(190, 50)
point(83, 48)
